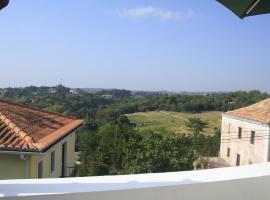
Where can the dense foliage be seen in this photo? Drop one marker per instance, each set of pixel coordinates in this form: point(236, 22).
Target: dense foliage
point(120, 149)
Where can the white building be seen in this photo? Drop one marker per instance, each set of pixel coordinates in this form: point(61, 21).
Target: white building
point(245, 137)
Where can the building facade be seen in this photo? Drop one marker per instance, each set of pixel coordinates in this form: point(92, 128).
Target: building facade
point(35, 143)
point(245, 137)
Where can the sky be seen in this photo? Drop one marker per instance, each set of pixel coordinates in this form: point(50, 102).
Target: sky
point(174, 45)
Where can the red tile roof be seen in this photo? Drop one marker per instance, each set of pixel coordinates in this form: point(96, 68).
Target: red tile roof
point(258, 112)
point(24, 128)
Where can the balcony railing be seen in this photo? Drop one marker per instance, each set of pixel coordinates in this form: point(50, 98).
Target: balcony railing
point(241, 183)
point(72, 171)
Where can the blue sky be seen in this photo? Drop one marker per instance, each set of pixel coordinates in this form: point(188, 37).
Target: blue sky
point(185, 45)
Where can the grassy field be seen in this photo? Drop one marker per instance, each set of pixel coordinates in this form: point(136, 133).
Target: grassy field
point(173, 121)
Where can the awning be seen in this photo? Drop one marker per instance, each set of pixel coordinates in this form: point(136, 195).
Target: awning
point(244, 8)
point(3, 3)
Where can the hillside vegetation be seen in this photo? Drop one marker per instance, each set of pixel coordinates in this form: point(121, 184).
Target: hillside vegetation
point(173, 121)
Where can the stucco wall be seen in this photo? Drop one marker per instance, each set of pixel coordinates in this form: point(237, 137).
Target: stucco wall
point(46, 158)
point(11, 167)
point(249, 153)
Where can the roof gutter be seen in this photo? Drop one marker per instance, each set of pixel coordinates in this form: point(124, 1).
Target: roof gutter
point(19, 153)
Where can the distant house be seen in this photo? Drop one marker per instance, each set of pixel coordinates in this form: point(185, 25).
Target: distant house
point(107, 96)
point(52, 90)
point(245, 137)
point(74, 91)
point(35, 143)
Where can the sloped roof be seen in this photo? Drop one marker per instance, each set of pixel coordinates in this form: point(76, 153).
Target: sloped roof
point(24, 128)
point(258, 112)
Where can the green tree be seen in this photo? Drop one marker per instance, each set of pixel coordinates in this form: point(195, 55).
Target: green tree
point(161, 152)
point(196, 125)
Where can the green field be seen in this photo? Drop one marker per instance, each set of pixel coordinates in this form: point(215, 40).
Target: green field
point(173, 121)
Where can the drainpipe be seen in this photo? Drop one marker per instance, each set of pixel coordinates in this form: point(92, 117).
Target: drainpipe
point(26, 160)
point(268, 152)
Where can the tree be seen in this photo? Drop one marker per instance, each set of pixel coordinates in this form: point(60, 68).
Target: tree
point(161, 152)
point(197, 125)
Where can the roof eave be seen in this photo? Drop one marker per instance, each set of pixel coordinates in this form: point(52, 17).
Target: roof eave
point(246, 119)
point(50, 145)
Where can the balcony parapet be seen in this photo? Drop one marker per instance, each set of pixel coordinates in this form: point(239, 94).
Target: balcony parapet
point(245, 182)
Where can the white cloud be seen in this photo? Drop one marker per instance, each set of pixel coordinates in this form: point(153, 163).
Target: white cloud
point(150, 11)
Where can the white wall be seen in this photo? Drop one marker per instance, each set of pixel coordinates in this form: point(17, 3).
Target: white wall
point(241, 183)
point(235, 190)
point(250, 153)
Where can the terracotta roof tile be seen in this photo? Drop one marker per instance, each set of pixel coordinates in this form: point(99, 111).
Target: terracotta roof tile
point(26, 128)
point(258, 112)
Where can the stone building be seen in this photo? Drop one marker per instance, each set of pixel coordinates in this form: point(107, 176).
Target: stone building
point(245, 137)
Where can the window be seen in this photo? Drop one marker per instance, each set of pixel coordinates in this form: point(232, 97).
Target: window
point(239, 133)
point(238, 160)
point(252, 138)
point(64, 159)
point(40, 169)
point(228, 152)
point(52, 161)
